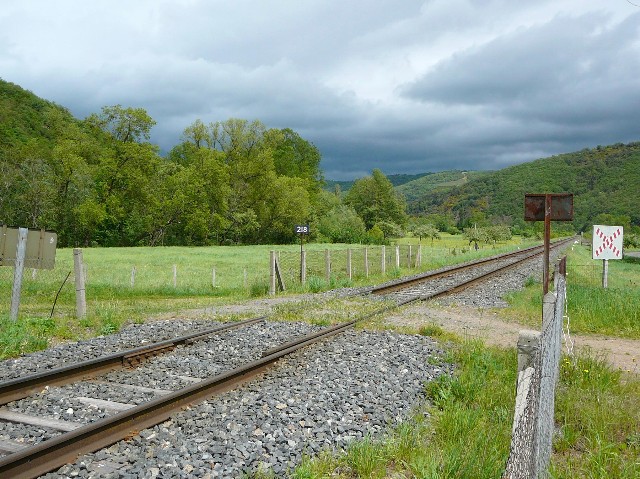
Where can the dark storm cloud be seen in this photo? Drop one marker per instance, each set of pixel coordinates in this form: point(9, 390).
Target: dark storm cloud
point(407, 87)
point(569, 83)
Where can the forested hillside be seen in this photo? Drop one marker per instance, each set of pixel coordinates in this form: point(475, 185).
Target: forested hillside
point(395, 179)
point(604, 180)
point(416, 189)
point(99, 181)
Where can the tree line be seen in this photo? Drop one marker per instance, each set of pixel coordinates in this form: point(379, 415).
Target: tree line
point(100, 181)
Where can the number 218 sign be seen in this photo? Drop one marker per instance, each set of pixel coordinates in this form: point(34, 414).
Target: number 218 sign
point(302, 229)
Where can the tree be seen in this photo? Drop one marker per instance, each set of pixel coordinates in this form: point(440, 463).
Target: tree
point(124, 124)
point(375, 200)
point(428, 231)
point(342, 225)
point(389, 229)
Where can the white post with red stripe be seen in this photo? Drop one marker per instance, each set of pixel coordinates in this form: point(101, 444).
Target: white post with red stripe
point(607, 244)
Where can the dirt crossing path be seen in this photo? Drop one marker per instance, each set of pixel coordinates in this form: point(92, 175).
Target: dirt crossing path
point(483, 324)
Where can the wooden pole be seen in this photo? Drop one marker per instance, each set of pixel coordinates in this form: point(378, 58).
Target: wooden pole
point(303, 267)
point(18, 270)
point(409, 258)
point(81, 299)
point(547, 242)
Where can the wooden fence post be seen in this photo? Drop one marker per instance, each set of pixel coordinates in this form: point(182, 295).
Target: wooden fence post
point(18, 270)
point(81, 300)
point(409, 258)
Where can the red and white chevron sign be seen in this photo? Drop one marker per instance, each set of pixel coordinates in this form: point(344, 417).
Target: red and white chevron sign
point(607, 242)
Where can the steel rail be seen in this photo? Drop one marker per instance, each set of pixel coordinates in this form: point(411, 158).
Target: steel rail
point(20, 388)
point(478, 279)
point(53, 453)
point(405, 283)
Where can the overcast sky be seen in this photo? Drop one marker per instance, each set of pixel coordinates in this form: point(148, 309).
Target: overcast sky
point(401, 85)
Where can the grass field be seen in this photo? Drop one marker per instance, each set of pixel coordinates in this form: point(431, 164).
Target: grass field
point(462, 432)
point(592, 309)
point(130, 284)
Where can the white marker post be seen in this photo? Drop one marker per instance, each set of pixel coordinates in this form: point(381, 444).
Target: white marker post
point(607, 244)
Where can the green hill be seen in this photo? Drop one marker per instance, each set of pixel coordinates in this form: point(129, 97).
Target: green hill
point(396, 180)
point(414, 190)
point(604, 180)
point(28, 119)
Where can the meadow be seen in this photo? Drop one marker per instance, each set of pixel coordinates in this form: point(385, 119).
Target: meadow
point(463, 428)
point(125, 285)
point(592, 309)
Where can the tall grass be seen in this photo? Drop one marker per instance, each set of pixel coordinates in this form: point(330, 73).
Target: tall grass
point(591, 308)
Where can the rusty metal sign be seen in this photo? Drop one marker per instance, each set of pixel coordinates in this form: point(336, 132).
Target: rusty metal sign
point(40, 251)
point(561, 207)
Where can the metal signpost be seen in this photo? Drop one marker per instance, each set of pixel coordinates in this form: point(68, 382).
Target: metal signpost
point(25, 248)
point(302, 230)
point(548, 207)
point(607, 244)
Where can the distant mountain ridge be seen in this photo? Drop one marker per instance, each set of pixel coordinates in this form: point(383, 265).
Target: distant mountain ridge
point(604, 180)
point(396, 180)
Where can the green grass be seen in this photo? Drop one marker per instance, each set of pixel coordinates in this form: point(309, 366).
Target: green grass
point(464, 432)
point(116, 296)
point(592, 309)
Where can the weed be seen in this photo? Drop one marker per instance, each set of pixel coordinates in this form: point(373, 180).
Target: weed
point(259, 288)
point(316, 284)
point(432, 330)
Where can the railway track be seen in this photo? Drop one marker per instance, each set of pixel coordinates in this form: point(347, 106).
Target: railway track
point(151, 405)
point(457, 278)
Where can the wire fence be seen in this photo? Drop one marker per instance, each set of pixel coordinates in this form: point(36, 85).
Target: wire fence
point(350, 263)
point(538, 365)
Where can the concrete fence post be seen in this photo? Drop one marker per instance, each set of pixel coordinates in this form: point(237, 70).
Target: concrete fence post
point(366, 262)
point(327, 265)
point(272, 273)
point(383, 260)
point(81, 300)
point(16, 291)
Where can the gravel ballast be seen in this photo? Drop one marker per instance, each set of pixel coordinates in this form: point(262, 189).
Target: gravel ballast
point(323, 397)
